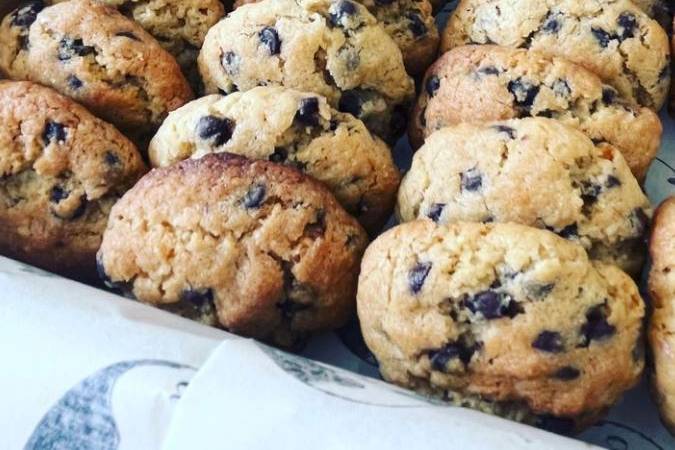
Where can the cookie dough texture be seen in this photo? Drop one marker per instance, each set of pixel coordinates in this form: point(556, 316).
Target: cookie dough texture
point(252, 246)
point(479, 83)
point(95, 55)
point(613, 38)
point(61, 170)
point(504, 311)
point(662, 326)
point(178, 25)
point(583, 192)
point(336, 49)
point(290, 127)
point(409, 22)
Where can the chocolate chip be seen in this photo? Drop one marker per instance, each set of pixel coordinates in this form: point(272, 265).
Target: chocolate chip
point(435, 211)
point(351, 102)
point(416, 24)
point(608, 95)
point(546, 113)
point(230, 63)
point(524, 92)
point(280, 155)
point(493, 305)
point(53, 131)
point(510, 132)
point(68, 48)
point(212, 127)
point(128, 34)
point(308, 112)
point(197, 297)
point(255, 196)
point(567, 373)
point(26, 15)
point(596, 327)
point(589, 194)
point(111, 158)
point(601, 36)
point(57, 194)
point(627, 24)
point(270, 38)
point(612, 182)
point(417, 275)
point(551, 25)
point(432, 85)
point(549, 341)
point(539, 291)
point(489, 70)
point(317, 228)
point(440, 358)
point(334, 125)
point(342, 10)
point(570, 231)
point(74, 82)
point(471, 180)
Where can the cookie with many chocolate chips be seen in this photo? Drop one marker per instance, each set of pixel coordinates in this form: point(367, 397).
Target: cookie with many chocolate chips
point(409, 22)
point(502, 311)
point(479, 83)
point(289, 127)
point(334, 48)
point(582, 191)
point(95, 55)
point(612, 38)
point(252, 246)
point(61, 170)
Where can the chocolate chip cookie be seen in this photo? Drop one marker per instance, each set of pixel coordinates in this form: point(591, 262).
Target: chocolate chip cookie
point(290, 127)
point(502, 311)
point(252, 246)
point(61, 170)
point(582, 191)
point(409, 22)
point(336, 49)
point(662, 325)
point(480, 83)
point(612, 38)
point(178, 25)
point(95, 55)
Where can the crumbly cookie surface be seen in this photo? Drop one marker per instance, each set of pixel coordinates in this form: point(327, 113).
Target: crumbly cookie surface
point(336, 49)
point(481, 83)
point(504, 311)
point(536, 172)
point(61, 170)
point(612, 38)
point(290, 127)
point(252, 246)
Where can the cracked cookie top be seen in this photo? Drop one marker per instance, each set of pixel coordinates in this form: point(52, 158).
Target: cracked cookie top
point(613, 38)
point(289, 127)
point(582, 191)
point(478, 83)
point(252, 246)
point(95, 55)
point(61, 170)
point(504, 311)
point(334, 48)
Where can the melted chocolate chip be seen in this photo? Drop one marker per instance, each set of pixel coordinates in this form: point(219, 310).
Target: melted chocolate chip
point(128, 34)
point(343, 9)
point(416, 24)
point(69, 48)
point(432, 85)
point(570, 231)
point(57, 194)
point(612, 182)
point(74, 82)
point(523, 91)
point(280, 155)
point(627, 25)
point(440, 358)
point(197, 297)
point(212, 127)
point(596, 327)
point(351, 102)
point(53, 131)
point(567, 373)
point(255, 196)
point(435, 211)
point(551, 25)
point(26, 15)
point(549, 341)
point(471, 180)
point(417, 275)
point(493, 305)
point(589, 195)
point(270, 38)
point(308, 112)
point(608, 95)
point(601, 36)
point(230, 63)
point(510, 132)
point(111, 158)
